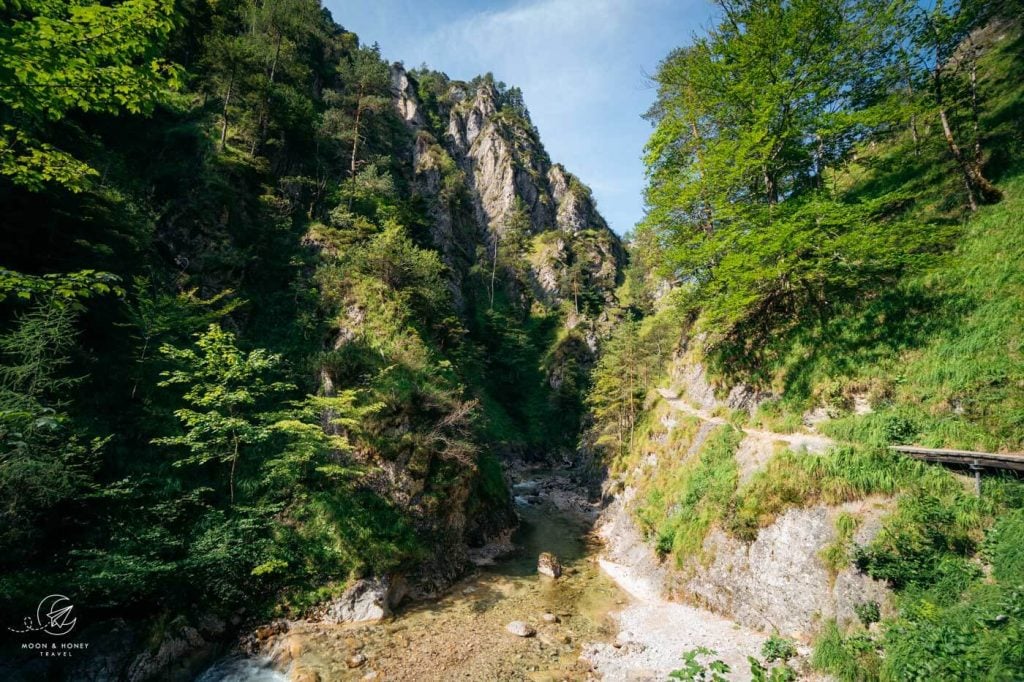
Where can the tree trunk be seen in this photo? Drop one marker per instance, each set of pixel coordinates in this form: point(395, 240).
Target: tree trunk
point(819, 162)
point(707, 210)
point(494, 266)
point(632, 401)
point(264, 115)
point(231, 478)
point(227, 102)
point(355, 139)
point(914, 136)
point(978, 187)
point(769, 187)
point(975, 107)
point(142, 362)
point(576, 294)
point(355, 148)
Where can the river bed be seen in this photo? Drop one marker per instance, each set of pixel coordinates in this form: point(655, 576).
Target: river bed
point(462, 635)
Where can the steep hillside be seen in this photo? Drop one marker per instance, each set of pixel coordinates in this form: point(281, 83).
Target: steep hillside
point(272, 317)
point(524, 245)
point(746, 411)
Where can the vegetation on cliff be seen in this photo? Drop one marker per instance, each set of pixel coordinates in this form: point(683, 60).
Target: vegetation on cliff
point(837, 223)
point(240, 364)
point(272, 308)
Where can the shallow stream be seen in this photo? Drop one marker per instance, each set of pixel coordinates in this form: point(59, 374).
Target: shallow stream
point(462, 635)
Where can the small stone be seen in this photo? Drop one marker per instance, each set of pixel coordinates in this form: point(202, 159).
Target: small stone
point(303, 675)
point(371, 676)
point(547, 564)
point(550, 618)
point(521, 629)
point(267, 631)
point(355, 660)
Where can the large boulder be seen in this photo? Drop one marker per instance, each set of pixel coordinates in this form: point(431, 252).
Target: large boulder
point(548, 564)
point(368, 599)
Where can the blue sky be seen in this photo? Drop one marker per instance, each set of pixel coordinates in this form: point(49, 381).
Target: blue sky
point(582, 66)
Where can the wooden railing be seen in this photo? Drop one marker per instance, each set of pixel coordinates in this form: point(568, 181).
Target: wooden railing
point(975, 461)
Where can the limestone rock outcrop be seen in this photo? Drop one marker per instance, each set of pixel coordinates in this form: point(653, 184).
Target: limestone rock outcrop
point(779, 581)
point(504, 169)
point(369, 599)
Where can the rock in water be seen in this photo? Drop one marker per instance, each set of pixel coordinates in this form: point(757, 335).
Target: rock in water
point(547, 564)
point(367, 600)
point(521, 629)
point(267, 631)
point(303, 675)
point(525, 488)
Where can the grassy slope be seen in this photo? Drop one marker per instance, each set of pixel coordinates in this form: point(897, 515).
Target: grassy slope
point(963, 386)
point(941, 360)
point(942, 355)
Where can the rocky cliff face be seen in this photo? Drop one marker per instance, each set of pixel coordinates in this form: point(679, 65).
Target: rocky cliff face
point(525, 249)
point(493, 153)
point(777, 581)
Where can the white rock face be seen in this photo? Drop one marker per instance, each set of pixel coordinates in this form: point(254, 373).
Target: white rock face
point(367, 600)
point(779, 582)
point(692, 378)
point(405, 96)
point(576, 210)
point(505, 166)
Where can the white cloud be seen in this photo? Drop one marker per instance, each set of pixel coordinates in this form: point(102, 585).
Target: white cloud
point(556, 50)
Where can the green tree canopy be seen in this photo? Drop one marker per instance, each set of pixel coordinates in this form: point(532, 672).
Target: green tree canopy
point(225, 389)
point(60, 57)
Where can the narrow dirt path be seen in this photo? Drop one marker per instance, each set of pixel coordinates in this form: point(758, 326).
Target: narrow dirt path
point(654, 632)
point(812, 442)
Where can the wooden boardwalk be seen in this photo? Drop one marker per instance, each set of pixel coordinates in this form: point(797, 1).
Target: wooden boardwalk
point(975, 461)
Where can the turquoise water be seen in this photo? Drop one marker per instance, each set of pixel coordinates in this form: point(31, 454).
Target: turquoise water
point(241, 669)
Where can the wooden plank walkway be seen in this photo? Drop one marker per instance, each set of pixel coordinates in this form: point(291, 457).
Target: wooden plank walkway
point(975, 461)
point(968, 458)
